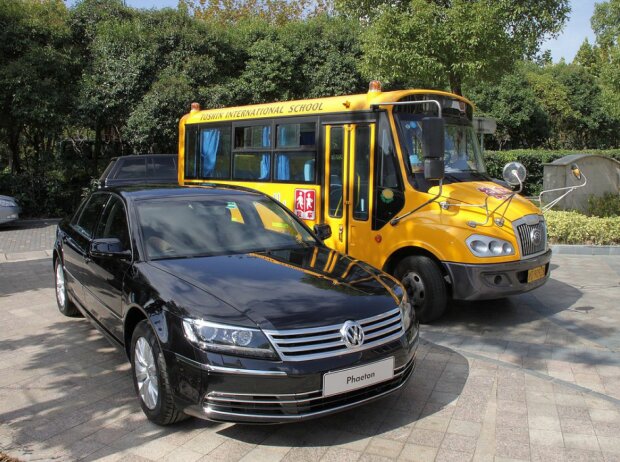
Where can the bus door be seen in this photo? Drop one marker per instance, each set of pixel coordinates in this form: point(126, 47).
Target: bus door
point(348, 187)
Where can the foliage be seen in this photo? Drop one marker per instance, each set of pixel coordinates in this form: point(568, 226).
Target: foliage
point(533, 161)
point(556, 106)
point(273, 11)
point(575, 228)
point(437, 43)
point(607, 205)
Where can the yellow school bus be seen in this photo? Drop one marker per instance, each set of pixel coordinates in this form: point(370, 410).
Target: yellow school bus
point(397, 177)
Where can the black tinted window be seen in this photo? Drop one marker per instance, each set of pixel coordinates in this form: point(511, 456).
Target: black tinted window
point(113, 223)
point(163, 167)
point(90, 215)
point(131, 169)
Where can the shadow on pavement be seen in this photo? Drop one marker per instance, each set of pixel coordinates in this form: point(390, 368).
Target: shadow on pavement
point(34, 275)
point(70, 394)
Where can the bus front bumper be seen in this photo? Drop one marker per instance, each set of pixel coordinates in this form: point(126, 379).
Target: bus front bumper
point(484, 282)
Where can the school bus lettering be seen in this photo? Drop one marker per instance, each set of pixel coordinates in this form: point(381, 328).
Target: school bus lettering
point(420, 207)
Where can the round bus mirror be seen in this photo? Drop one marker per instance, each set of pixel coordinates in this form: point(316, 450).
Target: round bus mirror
point(574, 168)
point(514, 173)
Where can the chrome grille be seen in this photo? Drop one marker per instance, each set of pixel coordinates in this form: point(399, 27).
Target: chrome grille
point(323, 342)
point(526, 229)
point(298, 405)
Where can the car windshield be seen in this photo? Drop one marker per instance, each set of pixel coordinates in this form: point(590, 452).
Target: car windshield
point(183, 227)
point(462, 153)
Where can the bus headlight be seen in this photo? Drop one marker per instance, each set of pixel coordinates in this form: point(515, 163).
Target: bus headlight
point(485, 246)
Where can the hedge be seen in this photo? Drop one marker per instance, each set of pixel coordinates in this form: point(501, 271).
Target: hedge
point(533, 161)
point(575, 228)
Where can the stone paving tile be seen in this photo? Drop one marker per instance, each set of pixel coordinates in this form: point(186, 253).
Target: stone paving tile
point(472, 395)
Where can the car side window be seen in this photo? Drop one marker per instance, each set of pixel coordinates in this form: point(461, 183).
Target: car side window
point(91, 213)
point(113, 223)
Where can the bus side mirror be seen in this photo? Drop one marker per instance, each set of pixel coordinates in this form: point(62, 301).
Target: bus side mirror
point(434, 147)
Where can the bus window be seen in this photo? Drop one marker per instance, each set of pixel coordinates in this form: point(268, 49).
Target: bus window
point(296, 135)
point(336, 169)
point(298, 167)
point(191, 141)
point(296, 157)
point(389, 195)
point(249, 165)
point(208, 153)
point(361, 173)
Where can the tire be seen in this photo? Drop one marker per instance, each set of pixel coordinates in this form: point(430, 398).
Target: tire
point(150, 377)
point(425, 287)
point(65, 306)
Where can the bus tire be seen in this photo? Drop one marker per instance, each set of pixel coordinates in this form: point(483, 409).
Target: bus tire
point(425, 287)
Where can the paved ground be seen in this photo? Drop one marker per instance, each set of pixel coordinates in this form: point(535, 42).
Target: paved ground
point(534, 377)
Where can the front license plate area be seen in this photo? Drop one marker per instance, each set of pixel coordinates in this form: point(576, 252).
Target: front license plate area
point(346, 380)
point(536, 273)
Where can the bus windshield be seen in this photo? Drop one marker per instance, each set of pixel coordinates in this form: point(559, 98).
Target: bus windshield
point(462, 152)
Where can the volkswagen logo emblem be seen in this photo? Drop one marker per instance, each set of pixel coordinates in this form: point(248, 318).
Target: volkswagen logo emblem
point(536, 236)
point(352, 334)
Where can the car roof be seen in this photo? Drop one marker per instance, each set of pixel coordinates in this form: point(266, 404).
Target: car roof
point(143, 156)
point(138, 192)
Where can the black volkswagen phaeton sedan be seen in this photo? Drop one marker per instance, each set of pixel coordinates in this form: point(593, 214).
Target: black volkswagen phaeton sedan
point(229, 308)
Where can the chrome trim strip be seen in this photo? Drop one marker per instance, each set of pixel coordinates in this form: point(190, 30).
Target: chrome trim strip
point(313, 347)
point(260, 417)
point(284, 341)
point(313, 330)
point(229, 370)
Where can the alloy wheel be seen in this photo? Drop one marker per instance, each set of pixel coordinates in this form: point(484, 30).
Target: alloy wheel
point(146, 373)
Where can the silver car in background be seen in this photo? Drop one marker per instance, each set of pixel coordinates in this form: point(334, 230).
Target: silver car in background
point(9, 209)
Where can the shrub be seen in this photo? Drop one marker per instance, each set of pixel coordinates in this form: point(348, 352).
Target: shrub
point(607, 205)
point(575, 228)
point(533, 161)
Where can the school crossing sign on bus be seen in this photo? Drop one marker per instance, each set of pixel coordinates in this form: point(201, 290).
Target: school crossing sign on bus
point(305, 200)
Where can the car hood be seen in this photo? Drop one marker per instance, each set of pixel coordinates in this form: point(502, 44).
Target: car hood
point(289, 289)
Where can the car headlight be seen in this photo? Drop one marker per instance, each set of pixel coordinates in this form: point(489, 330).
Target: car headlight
point(7, 203)
point(240, 341)
point(485, 246)
point(407, 312)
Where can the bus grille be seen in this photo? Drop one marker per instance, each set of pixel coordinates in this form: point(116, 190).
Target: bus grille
point(324, 342)
point(532, 235)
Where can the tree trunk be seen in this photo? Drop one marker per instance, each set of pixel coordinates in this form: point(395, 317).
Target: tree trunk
point(97, 148)
point(456, 84)
point(13, 135)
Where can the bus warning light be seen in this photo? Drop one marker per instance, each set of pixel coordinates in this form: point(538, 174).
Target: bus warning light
point(378, 238)
point(374, 86)
point(195, 107)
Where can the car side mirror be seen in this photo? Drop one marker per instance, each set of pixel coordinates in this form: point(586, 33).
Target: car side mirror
point(323, 231)
point(109, 248)
point(433, 129)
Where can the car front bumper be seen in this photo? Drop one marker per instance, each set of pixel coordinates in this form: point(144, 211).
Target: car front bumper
point(292, 392)
point(483, 282)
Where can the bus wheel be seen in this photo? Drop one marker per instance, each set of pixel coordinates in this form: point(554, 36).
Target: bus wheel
point(425, 287)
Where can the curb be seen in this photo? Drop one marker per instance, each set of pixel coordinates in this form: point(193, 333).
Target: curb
point(565, 249)
point(15, 257)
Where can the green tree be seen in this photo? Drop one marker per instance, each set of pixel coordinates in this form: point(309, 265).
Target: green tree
point(438, 44)
point(522, 121)
point(37, 78)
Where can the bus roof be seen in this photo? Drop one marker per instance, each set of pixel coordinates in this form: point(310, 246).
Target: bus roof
point(346, 103)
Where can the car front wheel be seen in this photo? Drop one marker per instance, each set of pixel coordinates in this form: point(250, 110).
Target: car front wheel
point(65, 306)
point(150, 377)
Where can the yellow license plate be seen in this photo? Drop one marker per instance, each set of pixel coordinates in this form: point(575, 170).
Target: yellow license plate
point(536, 273)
